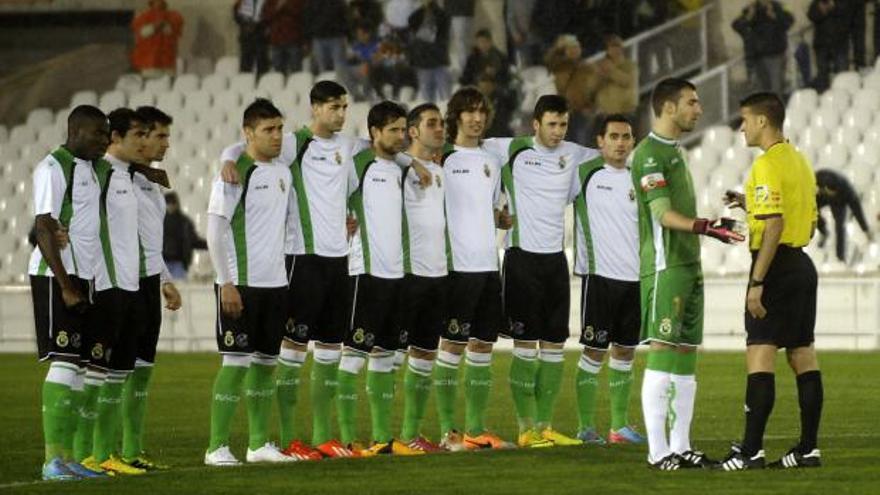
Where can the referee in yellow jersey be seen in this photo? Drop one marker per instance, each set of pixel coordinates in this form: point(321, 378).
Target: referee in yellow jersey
point(780, 201)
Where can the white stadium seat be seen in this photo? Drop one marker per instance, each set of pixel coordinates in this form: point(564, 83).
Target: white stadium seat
point(197, 100)
point(215, 83)
point(868, 153)
point(243, 83)
point(130, 83)
point(832, 156)
point(871, 81)
point(835, 98)
point(142, 99)
point(112, 100)
point(157, 85)
point(827, 117)
point(846, 136)
point(22, 134)
point(39, 117)
point(849, 81)
point(806, 99)
point(718, 137)
point(813, 137)
point(227, 66)
point(858, 118)
point(301, 83)
point(84, 98)
point(271, 83)
point(227, 99)
point(868, 98)
point(50, 135)
point(186, 83)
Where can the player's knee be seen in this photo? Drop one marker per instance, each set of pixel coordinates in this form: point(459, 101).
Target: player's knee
point(802, 359)
point(452, 347)
point(415, 353)
point(594, 355)
point(381, 362)
point(479, 346)
point(623, 353)
point(352, 363)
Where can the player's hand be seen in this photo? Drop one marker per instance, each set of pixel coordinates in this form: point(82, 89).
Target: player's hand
point(229, 173)
point(230, 301)
point(717, 229)
point(733, 199)
point(172, 297)
point(425, 178)
point(503, 220)
point(73, 299)
point(351, 225)
point(753, 302)
point(62, 238)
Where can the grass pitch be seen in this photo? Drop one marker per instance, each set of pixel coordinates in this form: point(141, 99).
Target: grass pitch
point(177, 434)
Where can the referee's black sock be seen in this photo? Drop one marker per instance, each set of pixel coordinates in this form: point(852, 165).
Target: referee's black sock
point(760, 396)
point(810, 397)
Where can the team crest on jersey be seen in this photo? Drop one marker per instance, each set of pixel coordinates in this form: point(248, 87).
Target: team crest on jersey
point(228, 339)
point(486, 170)
point(62, 340)
point(562, 162)
point(282, 186)
point(337, 158)
point(762, 194)
point(632, 195)
point(665, 327)
point(302, 330)
point(359, 336)
point(518, 327)
point(602, 336)
point(404, 337)
point(438, 181)
point(241, 340)
point(290, 325)
point(589, 333)
point(75, 340)
point(653, 181)
point(97, 351)
point(453, 327)
point(650, 162)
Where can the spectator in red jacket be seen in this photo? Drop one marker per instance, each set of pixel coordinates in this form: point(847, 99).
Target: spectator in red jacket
point(285, 18)
point(156, 33)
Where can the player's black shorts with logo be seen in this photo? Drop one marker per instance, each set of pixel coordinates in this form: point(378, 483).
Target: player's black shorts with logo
point(149, 317)
point(260, 326)
point(318, 288)
point(474, 306)
point(113, 335)
point(61, 331)
point(790, 299)
point(374, 313)
point(536, 295)
point(421, 312)
point(610, 312)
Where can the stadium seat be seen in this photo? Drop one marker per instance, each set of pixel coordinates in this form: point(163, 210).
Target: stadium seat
point(803, 99)
point(835, 98)
point(112, 100)
point(130, 83)
point(50, 136)
point(857, 118)
point(736, 158)
point(827, 117)
point(859, 174)
point(407, 94)
point(4, 133)
point(813, 137)
point(22, 134)
point(327, 75)
point(227, 66)
point(846, 136)
point(227, 99)
point(872, 134)
point(243, 83)
point(227, 133)
point(186, 83)
point(141, 99)
point(868, 98)
point(84, 98)
point(197, 100)
point(300, 83)
point(170, 102)
point(271, 83)
point(157, 85)
point(198, 134)
point(866, 153)
point(39, 117)
point(215, 83)
point(848, 81)
point(832, 156)
point(871, 81)
point(796, 120)
point(719, 137)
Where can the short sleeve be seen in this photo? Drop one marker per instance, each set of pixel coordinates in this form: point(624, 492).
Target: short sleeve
point(232, 152)
point(496, 193)
point(498, 147)
point(767, 189)
point(288, 148)
point(48, 187)
point(576, 184)
point(650, 174)
point(224, 199)
point(352, 177)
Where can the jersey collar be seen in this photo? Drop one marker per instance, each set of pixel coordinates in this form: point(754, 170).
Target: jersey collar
point(657, 137)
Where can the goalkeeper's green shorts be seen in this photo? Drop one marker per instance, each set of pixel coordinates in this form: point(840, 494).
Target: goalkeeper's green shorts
point(672, 306)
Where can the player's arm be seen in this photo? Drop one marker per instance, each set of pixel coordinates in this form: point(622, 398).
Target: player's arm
point(773, 225)
point(221, 207)
point(172, 297)
point(661, 209)
point(230, 154)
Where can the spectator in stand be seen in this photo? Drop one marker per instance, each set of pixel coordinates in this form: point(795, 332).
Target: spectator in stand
point(461, 18)
point(397, 14)
point(856, 30)
point(617, 81)
point(577, 81)
point(252, 36)
point(156, 33)
point(180, 239)
point(485, 58)
point(589, 23)
point(523, 41)
point(830, 39)
point(763, 26)
point(835, 191)
point(551, 19)
point(364, 51)
point(365, 13)
point(326, 25)
point(650, 13)
point(285, 20)
point(504, 103)
point(429, 50)
point(390, 68)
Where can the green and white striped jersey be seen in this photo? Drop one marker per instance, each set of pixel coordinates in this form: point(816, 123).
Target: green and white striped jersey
point(257, 211)
point(606, 222)
point(119, 260)
point(67, 188)
point(377, 203)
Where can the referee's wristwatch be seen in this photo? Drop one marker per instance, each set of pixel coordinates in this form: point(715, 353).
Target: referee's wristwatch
point(756, 283)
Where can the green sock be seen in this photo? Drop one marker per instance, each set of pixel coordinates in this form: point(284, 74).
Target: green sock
point(619, 383)
point(259, 390)
point(661, 360)
point(547, 385)
point(109, 418)
point(416, 391)
point(324, 382)
point(134, 409)
point(287, 390)
point(83, 439)
point(346, 406)
point(56, 418)
point(225, 397)
point(523, 370)
point(76, 398)
point(446, 390)
point(587, 386)
point(477, 385)
point(380, 393)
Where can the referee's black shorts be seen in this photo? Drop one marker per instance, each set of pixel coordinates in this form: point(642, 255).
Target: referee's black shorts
point(790, 299)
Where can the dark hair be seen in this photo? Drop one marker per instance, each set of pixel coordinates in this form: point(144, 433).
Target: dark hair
point(551, 104)
point(324, 91)
point(260, 109)
point(384, 113)
point(171, 197)
point(84, 114)
point(466, 99)
point(123, 120)
point(668, 90)
point(767, 104)
point(604, 120)
point(152, 116)
point(484, 33)
point(414, 118)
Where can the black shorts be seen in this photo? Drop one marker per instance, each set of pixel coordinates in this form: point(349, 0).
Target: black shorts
point(318, 288)
point(536, 296)
point(113, 333)
point(790, 299)
point(610, 312)
point(260, 326)
point(474, 306)
point(60, 330)
point(421, 312)
point(374, 313)
point(149, 317)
